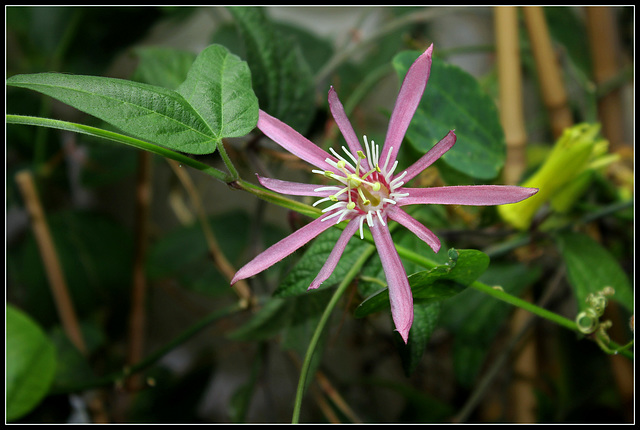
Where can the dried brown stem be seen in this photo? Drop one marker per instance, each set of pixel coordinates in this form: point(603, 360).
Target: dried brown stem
point(228, 271)
point(137, 317)
point(53, 268)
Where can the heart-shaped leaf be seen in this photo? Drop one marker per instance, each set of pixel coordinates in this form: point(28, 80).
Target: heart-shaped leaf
point(216, 101)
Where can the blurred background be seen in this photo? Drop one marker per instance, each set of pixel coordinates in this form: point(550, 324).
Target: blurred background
point(88, 191)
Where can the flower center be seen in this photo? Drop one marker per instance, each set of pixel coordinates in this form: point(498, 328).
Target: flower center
point(365, 189)
point(371, 198)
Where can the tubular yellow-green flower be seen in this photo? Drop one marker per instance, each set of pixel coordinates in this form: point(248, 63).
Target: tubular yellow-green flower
point(564, 175)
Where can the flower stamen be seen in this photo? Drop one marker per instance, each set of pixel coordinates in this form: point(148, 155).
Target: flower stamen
point(368, 188)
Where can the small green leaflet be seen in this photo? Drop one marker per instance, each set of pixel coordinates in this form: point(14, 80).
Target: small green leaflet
point(439, 283)
point(453, 100)
point(216, 101)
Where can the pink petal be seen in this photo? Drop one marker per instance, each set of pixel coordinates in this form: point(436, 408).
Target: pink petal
point(337, 110)
point(293, 141)
point(400, 216)
point(293, 188)
point(471, 195)
point(282, 249)
point(431, 156)
point(407, 102)
point(331, 263)
point(399, 290)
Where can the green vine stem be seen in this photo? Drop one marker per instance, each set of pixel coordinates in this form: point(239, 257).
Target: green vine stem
point(304, 371)
point(120, 138)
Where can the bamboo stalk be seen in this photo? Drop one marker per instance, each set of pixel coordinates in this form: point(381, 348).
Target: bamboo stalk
point(510, 84)
point(525, 368)
point(512, 118)
point(554, 94)
point(53, 268)
point(605, 57)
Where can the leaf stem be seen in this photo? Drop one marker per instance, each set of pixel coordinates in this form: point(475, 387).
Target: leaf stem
point(227, 161)
point(302, 382)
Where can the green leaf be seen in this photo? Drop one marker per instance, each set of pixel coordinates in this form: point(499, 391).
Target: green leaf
point(73, 367)
point(30, 365)
point(591, 267)
point(183, 254)
point(241, 398)
point(425, 319)
point(270, 320)
point(282, 78)
point(216, 101)
point(372, 277)
point(164, 67)
point(475, 319)
point(148, 112)
point(306, 269)
point(437, 284)
point(295, 318)
point(568, 28)
point(317, 50)
point(218, 86)
point(453, 100)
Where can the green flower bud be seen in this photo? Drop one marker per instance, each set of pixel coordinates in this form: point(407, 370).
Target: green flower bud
point(564, 175)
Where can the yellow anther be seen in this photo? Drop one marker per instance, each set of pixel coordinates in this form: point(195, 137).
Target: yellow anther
point(333, 198)
point(361, 155)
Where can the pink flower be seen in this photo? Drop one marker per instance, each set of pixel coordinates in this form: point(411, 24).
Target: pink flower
point(366, 189)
